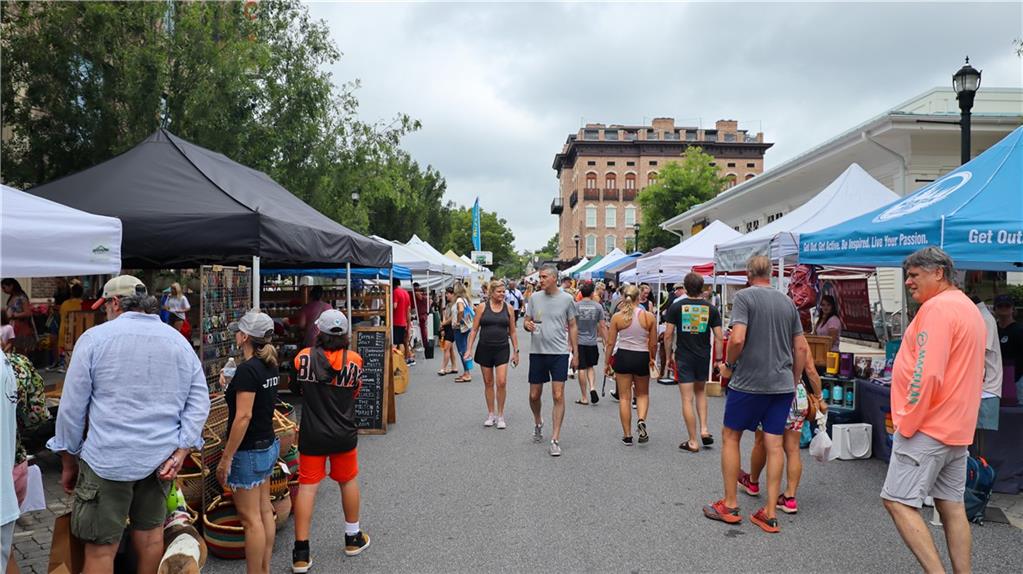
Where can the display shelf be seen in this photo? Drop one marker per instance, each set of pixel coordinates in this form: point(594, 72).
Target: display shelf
point(226, 295)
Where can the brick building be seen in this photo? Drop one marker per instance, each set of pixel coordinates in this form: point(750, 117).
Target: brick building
point(602, 168)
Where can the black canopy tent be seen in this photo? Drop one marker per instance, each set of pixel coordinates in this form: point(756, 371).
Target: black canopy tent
point(182, 205)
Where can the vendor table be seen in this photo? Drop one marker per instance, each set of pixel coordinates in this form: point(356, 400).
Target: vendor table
point(1001, 448)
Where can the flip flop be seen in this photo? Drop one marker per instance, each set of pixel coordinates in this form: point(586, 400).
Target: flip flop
point(579, 402)
point(707, 439)
point(463, 380)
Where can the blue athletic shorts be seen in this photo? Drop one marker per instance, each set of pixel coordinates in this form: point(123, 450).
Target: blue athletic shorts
point(547, 368)
point(746, 411)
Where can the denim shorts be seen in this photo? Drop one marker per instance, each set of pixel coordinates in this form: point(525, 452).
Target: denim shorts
point(250, 468)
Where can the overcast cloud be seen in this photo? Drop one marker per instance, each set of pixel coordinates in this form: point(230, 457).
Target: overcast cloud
point(498, 87)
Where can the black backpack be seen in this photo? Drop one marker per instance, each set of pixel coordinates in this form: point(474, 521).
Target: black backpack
point(980, 479)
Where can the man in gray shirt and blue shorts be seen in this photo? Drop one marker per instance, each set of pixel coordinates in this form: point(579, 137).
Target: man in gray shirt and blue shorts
point(550, 317)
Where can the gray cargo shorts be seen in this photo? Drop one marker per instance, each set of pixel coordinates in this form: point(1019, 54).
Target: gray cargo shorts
point(922, 466)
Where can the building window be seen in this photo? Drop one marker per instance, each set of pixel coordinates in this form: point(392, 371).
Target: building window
point(591, 180)
point(651, 134)
point(611, 135)
point(690, 136)
point(752, 225)
point(591, 162)
point(729, 137)
point(713, 164)
point(751, 165)
point(610, 181)
point(730, 180)
point(653, 162)
point(731, 164)
point(651, 178)
point(775, 216)
point(630, 216)
point(630, 163)
point(609, 243)
point(630, 181)
point(610, 164)
point(591, 216)
point(591, 134)
point(611, 217)
point(591, 245)
point(750, 176)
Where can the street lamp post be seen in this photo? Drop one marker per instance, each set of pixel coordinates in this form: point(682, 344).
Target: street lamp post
point(576, 239)
point(965, 82)
point(635, 236)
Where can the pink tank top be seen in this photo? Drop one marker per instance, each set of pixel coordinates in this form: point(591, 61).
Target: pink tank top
point(634, 337)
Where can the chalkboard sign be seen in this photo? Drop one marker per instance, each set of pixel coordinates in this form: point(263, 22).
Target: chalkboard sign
point(371, 405)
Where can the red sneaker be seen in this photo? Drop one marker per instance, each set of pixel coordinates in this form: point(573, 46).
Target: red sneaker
point(718, 511)
point(786, 504)
point(751, 488)
point(766, 524)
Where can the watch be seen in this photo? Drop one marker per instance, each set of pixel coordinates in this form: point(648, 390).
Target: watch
point(731, 366)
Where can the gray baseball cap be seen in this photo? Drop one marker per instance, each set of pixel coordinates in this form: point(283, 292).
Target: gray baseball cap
point(254, 324)
point(332, 322)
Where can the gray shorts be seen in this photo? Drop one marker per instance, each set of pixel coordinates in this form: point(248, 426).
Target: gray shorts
point(922, 466)
point(987, 419)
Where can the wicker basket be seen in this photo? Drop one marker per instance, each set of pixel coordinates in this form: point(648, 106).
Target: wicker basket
point(285, 429)
point(279, 480)
point(286, 409)
point(222, 529)
point(190, 480)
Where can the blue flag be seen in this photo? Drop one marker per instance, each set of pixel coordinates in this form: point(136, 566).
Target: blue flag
point(476, 225)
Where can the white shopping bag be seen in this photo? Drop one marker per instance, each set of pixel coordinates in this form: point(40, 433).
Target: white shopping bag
point(820, 446)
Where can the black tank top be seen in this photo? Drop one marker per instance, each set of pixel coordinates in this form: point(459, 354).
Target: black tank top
point(494, 326)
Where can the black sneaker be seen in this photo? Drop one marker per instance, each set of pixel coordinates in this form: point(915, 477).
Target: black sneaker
point(614, 396)
point(356, 543)
point(641, 430)
point(300, 561)
point(594, 397)
point(627, 440)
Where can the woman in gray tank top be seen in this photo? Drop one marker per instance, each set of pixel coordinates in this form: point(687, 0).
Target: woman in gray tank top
point(493, 326)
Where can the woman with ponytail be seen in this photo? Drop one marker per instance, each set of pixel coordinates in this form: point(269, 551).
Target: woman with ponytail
point(634, 331)
point(251, 448)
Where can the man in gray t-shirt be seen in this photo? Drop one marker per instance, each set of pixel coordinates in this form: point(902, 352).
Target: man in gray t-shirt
point(550, 317)
point(765, 355)
point(590, 318)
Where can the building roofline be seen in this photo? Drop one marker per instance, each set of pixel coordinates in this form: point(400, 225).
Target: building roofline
point(830, 145)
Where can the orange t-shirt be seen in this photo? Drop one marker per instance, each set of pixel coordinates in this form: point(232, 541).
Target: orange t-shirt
point(938, 372)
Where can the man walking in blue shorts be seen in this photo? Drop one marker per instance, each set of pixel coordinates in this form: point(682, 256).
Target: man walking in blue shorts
point(765, 356)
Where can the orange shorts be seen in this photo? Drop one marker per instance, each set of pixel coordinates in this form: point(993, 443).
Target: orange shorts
point(312, 469)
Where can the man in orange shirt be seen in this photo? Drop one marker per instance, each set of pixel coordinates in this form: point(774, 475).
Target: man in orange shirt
point(936, 387)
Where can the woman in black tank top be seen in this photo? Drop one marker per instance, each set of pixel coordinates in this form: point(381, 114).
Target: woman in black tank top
point(494, 325)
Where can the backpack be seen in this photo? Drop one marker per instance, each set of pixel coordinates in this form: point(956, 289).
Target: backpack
point(468, 316)
point(980, 479)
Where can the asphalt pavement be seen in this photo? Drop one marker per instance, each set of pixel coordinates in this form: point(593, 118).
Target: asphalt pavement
point(441, 493)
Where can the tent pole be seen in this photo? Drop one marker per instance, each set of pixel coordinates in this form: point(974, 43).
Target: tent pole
point(255, 282)
point(781, 272)
point(348, 290)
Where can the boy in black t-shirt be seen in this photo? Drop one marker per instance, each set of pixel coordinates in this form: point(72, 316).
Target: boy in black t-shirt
point(696, 321)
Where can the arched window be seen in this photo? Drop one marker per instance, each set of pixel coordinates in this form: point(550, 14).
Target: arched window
point(750, 176)
point(591, 180)
point(610, 181)
point(609, 243)
point(630, 181)
point(651, 178)
point(729, 180)
point(591, 245)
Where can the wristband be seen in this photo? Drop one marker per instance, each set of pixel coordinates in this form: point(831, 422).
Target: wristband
point(731, 366)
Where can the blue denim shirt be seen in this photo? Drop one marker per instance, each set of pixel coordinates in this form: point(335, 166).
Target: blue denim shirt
point(141, 388)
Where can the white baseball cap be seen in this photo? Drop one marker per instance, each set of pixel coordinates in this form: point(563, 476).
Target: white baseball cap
point(254, 324)
point(120, 286)
point(332, 322)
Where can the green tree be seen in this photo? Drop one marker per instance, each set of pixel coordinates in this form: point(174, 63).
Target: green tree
point(83, 81)
point(550, 250)
point(680, 186)
point(495, 236)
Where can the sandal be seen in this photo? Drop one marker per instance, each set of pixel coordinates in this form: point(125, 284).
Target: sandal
point(463, 380)
point(707, 439)
point(581, 402)
point(685, 446)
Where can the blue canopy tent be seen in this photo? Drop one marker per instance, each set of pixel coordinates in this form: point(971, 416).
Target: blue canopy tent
point(975, 213)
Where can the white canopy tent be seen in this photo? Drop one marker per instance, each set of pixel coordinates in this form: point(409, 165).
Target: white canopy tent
point(430, 274)
point(852, 194)
point(41, 238)
point(582, 262)
point(612, 257)
point(435, 256)
point(672, 264)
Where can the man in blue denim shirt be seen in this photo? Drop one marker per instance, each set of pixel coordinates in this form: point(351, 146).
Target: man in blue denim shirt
point(140, 388)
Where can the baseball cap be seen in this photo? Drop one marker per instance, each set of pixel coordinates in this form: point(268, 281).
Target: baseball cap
point(1004, 300)
point(678, 286)
point(332, 322)
point(120, 286)
point(254, 324)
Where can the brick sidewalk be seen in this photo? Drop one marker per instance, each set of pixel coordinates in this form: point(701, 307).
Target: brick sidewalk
point(34, 530)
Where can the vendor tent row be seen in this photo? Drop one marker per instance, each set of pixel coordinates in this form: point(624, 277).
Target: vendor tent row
point(975, 213)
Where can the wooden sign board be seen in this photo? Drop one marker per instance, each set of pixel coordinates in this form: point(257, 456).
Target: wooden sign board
point(373, 404)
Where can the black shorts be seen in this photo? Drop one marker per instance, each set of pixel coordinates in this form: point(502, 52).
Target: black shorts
point(449, 333)
point(547, 368)
point(691, 368)
point(632, 362)
point(492, 355)
point(399, 335)
point(589, 356)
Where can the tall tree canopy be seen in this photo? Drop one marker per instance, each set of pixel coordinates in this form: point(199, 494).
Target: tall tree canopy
point(495, 236)
point(81, 82)
point(680, 185)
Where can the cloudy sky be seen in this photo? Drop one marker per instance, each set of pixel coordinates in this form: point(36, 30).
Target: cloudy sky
point(498, 86)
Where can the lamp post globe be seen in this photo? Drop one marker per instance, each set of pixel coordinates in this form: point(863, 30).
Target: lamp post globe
point(355, 196)
point(965, 82)
point(576, 239)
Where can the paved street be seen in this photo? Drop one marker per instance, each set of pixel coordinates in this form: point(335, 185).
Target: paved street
point(443, 494)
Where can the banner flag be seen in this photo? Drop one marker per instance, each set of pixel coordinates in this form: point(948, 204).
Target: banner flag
point(476, 225)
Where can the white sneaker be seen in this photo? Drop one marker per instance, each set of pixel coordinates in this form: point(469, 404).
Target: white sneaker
point(501, 424)
point(555, 448)
point(491, 419)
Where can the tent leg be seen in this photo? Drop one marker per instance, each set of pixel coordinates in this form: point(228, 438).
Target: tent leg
point(255, 282)
point(781, 272)
point(390, 303)
point(348, 290)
